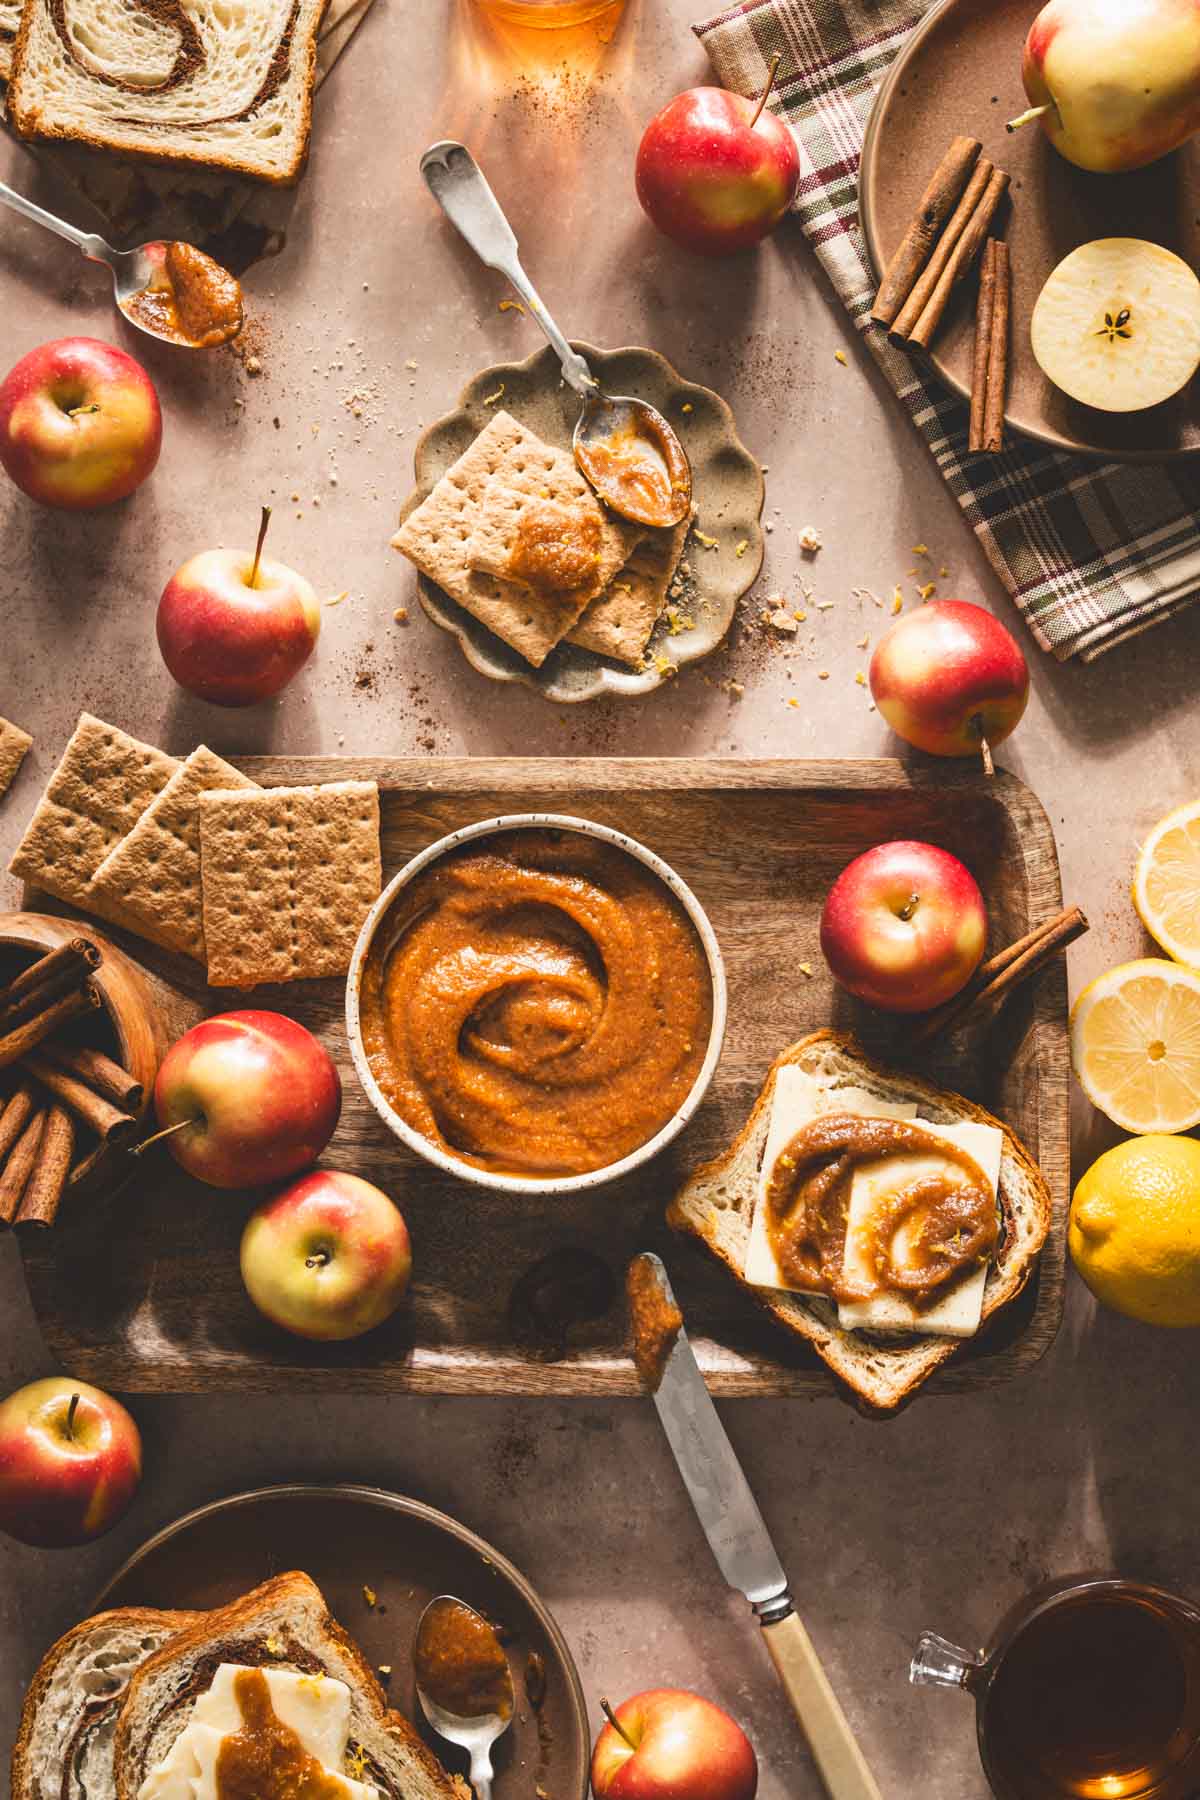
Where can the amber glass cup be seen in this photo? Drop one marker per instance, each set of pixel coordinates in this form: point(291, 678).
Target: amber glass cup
point(1089, 1690)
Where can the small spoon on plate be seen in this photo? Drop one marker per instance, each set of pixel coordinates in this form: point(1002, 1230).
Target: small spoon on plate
point(141, 286)
point(464, 1682)
point(624, 446)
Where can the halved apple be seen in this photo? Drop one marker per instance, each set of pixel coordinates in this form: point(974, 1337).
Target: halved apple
point(1117, 325)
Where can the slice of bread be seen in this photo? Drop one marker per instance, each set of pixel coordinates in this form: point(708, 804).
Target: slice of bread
point(283, 1624)
point(64, 1747)
point(222, 87)
point(10, 20)
point(716, 1205)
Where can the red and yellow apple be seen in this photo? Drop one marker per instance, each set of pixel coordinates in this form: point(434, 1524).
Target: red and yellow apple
point(234, 626)
point(80, 424)
point(70, 1462)
point(949, 679)
point(667, 1744)
point(327, 1258)
point(1115, 84)
point(904, 926)
point(247, 1097)
point(716, 172)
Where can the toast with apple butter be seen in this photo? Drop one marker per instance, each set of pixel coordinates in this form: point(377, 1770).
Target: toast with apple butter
point(283, 1625)
point(938, 1135)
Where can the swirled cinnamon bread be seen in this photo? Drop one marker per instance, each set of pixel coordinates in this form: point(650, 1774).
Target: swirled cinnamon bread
point(178, 81)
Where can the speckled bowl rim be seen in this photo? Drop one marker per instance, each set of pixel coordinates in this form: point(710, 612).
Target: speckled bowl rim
point(610, 679)
point(520, 1184)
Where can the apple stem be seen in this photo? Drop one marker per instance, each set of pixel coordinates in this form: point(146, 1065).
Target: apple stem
point(75, 412)
point(985, 750)
point(71, 1411)
point(772, 72)
point(318, 1260)
point(1034, 112)
point(616, 1724)
point(166, 1132)
point(909, 908)
point(262, 538)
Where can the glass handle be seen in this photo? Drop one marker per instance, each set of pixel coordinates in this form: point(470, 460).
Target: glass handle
point(939, 1663)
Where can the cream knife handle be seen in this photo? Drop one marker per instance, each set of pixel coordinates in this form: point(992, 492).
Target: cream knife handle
point(833, 1744)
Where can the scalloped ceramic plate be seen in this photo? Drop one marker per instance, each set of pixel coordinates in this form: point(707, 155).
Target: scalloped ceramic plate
point(727, 489)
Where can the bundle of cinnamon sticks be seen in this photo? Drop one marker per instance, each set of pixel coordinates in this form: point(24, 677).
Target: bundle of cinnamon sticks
point(55, 1089)
point(1000, 974)
point(950, 232)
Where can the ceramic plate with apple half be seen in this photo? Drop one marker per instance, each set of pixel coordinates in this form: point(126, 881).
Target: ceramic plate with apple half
point(961, 72)
point(378, 1558)
point(727, 491)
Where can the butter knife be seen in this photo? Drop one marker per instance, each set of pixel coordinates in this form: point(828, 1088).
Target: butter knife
point(739, 1539)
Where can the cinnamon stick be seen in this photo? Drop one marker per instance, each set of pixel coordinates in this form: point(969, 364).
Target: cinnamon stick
point(100, 1072)
point(37, 999)
point(937, 204)
point(22, 1038)
point(934, 294)
point(15, 1117)
point(109, 1122)
point(78, 958)
point(929, 277)
point(985, 312)
point(48, 1178)
point(1003, 972)
point(19, 1167)
point(996, 394)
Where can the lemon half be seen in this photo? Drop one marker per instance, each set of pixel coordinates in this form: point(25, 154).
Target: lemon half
point(1166, 884)
point(1135, 1045)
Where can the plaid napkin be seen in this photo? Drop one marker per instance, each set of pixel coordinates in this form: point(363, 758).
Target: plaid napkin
point(1092, 553)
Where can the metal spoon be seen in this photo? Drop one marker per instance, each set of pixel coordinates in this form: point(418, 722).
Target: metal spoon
point(460, 189)
point(474, 1735)
point(133, 271)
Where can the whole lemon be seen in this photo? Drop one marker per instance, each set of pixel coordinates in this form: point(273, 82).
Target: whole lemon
point(1135, 1229)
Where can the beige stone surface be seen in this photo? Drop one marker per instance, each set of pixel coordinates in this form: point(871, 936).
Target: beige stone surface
point(366, 326)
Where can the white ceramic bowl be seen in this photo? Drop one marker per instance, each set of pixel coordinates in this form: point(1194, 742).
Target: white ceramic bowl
point(521, 1184)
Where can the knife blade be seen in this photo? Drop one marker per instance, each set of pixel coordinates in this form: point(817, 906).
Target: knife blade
point(738, 1536)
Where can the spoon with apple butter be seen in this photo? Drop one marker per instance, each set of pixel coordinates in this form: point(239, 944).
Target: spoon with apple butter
point(464, 1682)
point(624, 446)
point(168, 289)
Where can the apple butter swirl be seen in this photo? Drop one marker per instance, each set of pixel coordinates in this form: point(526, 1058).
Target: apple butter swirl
point(541, 1006)
point(947, 1218)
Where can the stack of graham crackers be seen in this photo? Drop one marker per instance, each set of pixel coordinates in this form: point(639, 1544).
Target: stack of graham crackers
point(259, 884)
point(464, 533)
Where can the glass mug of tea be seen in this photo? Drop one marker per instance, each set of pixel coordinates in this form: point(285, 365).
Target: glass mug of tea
point(1089, 1690)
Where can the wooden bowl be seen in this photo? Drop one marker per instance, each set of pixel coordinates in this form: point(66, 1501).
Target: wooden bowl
point(131, 1025)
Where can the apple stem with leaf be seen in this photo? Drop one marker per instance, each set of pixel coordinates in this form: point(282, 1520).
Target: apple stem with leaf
point(258, 548)
point(616, 1724)
point(772, 72)
point(1032, 113)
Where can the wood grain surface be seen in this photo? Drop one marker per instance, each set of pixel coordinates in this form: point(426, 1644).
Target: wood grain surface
point(143, 1293)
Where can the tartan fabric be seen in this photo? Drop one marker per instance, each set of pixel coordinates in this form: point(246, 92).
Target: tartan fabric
point(1092, 553)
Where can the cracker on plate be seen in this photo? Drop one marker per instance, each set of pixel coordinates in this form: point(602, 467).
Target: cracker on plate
point(95, 797)
point(620, 621)
point(153, 874)
point(442, 532)
point(288, 875)
point(14, 743)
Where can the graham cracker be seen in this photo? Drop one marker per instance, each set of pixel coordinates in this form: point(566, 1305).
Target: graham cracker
point(436, 536)
point(620, 621)
point(95, 797)
point(153, 874)
point(14, 743)
point(288, 875)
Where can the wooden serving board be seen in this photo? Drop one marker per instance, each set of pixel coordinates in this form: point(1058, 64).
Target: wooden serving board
point(143, 1293)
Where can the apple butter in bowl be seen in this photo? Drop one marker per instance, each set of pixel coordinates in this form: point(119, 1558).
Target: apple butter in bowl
point(536, 1003)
